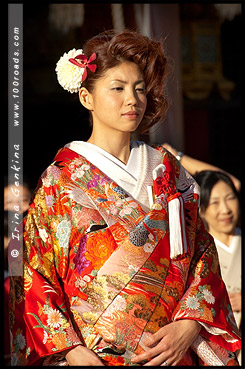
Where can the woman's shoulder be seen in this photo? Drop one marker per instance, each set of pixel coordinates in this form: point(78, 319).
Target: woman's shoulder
point(51, 177)
point(151, 147)
point(168, 158)
point(138, 143)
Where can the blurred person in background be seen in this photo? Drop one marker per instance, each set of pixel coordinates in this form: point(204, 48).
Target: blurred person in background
point(17, 198)
point(220, 210)
point(16, 203)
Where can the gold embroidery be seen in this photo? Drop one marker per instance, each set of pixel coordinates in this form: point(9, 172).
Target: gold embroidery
point(28, 277)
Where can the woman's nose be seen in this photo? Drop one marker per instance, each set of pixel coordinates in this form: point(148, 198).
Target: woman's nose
point(131, 97)
point(225, 207)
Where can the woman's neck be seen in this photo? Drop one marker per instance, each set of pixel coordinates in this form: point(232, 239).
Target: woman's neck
point(118, 145)
point(225, 238)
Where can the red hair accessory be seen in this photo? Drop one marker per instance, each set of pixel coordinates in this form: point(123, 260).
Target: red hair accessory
point(84, 63)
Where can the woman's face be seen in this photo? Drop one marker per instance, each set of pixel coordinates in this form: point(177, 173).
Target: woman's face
point(222, 212)
point(118, 101)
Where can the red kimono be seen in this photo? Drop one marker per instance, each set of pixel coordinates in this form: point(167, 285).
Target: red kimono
point(100, 271)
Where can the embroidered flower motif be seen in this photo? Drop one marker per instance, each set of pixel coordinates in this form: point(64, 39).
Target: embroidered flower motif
point(43, 234)
point(76, 163)
point(128, 209)
point(125, 211)
point(59, 341)
point(113, 210)
point(54, 318)
point(85, 167)
point(46, 180)
point(49, 200)
point(93, 182)
point(54, 171)
point(192, 303)
point(80, 260)
point(104, 180)
point(77, 174)
point(118, 203)
point(45, 337)
point(69, 75)
point(80, 283)
point(148, 247)
point(118, 304)
point(99, 247)
point(63, 233)
point(208, 296)
point(157, 206)
point(20, 341)
point(133, 204)
point(50, 176)
point(87, 278)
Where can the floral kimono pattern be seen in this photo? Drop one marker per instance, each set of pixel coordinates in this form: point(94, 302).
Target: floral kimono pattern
point(102, 275)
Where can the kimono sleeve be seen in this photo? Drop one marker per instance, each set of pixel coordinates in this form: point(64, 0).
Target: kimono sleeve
point(206, 299)
point(40, 319)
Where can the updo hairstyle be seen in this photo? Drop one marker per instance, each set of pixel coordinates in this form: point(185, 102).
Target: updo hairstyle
point(112, 48)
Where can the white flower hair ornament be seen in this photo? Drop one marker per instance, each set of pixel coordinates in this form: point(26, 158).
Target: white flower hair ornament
point(72, 67)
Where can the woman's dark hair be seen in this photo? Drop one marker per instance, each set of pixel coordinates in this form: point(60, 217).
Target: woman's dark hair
point(112, 48)
point(206, 180)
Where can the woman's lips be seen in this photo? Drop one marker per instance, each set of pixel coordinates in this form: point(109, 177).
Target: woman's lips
point(131, 115)
point(226, 220)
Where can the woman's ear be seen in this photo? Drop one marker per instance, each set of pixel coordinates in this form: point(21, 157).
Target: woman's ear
point(86, 98)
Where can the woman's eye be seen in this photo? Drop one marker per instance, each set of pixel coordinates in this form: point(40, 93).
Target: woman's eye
point(213, 203)
point(117, 88)
point(140, 89)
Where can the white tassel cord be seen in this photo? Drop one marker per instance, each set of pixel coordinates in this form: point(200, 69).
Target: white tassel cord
point(177, 231)
point(150, 195)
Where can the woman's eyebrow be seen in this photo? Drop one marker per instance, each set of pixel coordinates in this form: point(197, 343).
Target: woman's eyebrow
point(226, 195)
point(120, 80)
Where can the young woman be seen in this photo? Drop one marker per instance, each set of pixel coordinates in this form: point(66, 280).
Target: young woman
point(118, 267)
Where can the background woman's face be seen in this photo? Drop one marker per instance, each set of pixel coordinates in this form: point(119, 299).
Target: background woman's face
point(222, 212)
